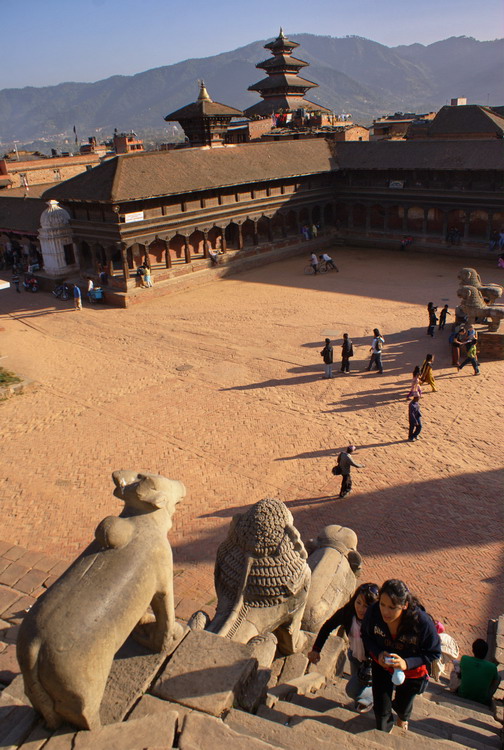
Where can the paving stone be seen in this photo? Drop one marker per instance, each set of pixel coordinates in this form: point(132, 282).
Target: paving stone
point(9, 666)
point(147, 732)
point(203, 731)
point(206, 672)
point(31, 559)
point(133, 670)
point(31, 581)
point(7, 599)
point(4, 547)
point(17, 610)
point(36, 739)
point(16, 721)
point(14, 553)
point(62, 739)
point(15, 691)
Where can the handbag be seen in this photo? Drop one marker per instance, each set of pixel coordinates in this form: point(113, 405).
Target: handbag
point(365, 673)
point(336, 470)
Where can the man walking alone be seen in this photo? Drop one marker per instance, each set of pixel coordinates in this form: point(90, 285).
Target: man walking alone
point(345, 463)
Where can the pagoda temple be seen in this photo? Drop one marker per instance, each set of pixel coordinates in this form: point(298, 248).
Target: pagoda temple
point(283, 89)
point(204, 122)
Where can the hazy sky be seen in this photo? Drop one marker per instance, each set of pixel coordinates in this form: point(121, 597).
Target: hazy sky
point(45, 42)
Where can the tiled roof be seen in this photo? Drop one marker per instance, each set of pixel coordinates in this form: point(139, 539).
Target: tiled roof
point(203, 108)
point(276, 103)
point(21, 214)
point(280, 81)
point(467, 119)
point(430, 155)
point(148, 174)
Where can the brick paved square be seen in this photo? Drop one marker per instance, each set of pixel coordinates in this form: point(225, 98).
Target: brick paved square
point(221, 386)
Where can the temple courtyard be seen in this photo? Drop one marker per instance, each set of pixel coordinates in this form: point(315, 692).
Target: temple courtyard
point(221, 386)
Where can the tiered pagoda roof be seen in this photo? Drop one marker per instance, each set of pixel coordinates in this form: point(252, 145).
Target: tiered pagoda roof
point(283, 89)
point(204, 121)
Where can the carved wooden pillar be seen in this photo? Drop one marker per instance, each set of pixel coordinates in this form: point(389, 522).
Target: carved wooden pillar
point(489, 225)
point(168, 260)
point(255, 235)
point(405, 219)
point(223, 240)
point(124, 260)
point(187, 249)
point(205, 244)
point(467, 221)
point(240, 237)
point(424, 221)
point(108, 261)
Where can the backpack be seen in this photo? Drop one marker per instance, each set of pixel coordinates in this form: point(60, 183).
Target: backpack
point(378, 345)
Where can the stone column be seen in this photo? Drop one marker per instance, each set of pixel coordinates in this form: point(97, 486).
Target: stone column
point(187, 249)
point(240, 237)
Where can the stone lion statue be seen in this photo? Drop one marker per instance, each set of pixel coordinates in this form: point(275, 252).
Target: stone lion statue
point(67, 641)
point(335, 565)
point(261, 578)
point(470, 277)
point(474, 307)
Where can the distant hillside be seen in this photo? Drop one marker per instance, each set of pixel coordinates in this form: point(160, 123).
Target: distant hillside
point(355, 75)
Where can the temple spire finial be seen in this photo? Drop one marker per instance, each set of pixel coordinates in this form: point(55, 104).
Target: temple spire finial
point(281, 34)
point(203, 94)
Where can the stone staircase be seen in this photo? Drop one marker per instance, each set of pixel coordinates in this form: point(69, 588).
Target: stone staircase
point(440, 720)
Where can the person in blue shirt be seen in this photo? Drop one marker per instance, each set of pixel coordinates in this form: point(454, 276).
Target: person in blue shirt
point(77, 297)
point(398, 634)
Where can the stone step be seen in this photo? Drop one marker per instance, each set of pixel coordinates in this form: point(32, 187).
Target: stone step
point(470, 728)
point(311, 735)
point(336, 721)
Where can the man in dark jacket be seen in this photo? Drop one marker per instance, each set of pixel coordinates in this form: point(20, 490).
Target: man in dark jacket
point(345, 462)
point(346, 353)
point(415, 419)
point(327, 354)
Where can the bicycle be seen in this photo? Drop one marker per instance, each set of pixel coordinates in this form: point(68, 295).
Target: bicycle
point(324, 266)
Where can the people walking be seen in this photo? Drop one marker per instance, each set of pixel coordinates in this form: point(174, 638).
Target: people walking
point(426, 373)
point(415, 389)
point(442, 317)
point(415, 419)
point(432, 319)
point(350, 618)
point(376, 352)
point(77, 297)
point(345, 463)
point(471, 357)
point(327, 354)
point(400, 637)
point(346, 353)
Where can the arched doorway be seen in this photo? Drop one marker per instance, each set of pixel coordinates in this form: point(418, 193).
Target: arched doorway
point(232, 235)
point(176, 248)
point(196, 243)
point(248, 233)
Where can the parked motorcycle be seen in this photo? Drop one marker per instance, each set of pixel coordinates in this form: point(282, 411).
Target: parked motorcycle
point(62, 291)
point(30, 283)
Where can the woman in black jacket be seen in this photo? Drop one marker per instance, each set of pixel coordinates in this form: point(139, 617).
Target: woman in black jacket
point(350, 618)
point(399, 635)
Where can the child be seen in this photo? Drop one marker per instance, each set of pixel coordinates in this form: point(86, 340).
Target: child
point(426, 375)
point(415, 389)
point(442, 317)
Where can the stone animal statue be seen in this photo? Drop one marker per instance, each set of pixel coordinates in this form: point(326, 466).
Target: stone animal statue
point(67, 641)
point(261, 578)
point(473, 306)
point(335, 565)
point(470, 277)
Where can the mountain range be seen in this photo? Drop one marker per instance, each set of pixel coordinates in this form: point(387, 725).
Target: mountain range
point(355, 75)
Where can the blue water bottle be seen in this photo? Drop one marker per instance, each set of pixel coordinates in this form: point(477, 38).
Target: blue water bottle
point(398, 677)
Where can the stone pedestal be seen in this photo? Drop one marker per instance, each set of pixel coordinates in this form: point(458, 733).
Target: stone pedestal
point(490, 345)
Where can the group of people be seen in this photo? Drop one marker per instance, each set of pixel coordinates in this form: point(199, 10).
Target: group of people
point(144, 276)
point(322, 258)
point(393, 646)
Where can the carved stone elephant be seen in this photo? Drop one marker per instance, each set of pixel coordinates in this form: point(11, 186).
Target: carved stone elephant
point(67, 641)
point(335, 565)
point(261, 578)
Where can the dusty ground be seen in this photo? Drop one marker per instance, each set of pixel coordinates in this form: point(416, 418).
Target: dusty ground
point(221, 387)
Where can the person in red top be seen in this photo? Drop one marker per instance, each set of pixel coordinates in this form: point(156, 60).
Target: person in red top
point(399, 635)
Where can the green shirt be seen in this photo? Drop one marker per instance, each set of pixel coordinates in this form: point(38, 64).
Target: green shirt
point(478, 676)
